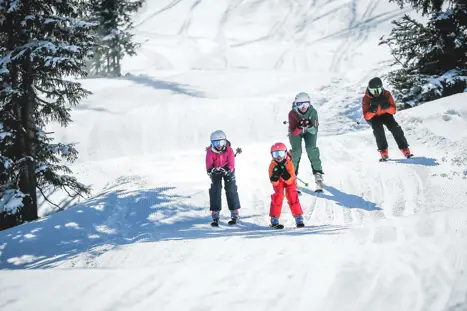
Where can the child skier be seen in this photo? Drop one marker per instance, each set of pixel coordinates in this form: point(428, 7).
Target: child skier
point(282, 177)
point(303, 124)
point(220, 164)
point(378, 108)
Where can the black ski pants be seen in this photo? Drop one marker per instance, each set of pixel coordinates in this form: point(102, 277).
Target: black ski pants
point(387, 119)
point(215, 192)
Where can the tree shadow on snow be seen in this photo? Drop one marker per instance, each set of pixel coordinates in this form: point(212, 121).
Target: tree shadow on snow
point(249, 228)
point(113, 218)
point(86, 107)
point(344, 199)
point(164, 85)
point(119, 217)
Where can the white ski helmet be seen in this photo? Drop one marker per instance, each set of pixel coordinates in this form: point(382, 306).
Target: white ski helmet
point(301, 97)
point(217, 135)
point(218, 139)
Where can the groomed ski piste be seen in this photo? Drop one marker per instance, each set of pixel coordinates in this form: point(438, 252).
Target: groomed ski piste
point(382, 236)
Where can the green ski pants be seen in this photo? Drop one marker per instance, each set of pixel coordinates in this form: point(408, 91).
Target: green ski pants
point(311, 150)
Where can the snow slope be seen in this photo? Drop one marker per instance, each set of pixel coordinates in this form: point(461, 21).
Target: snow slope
point(382, 236)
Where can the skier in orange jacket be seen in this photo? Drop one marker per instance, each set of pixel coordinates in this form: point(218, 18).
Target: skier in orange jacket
point(378, 108)
point(282, 177)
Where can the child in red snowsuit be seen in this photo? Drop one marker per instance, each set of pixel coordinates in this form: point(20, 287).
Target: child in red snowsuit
point(282, 177)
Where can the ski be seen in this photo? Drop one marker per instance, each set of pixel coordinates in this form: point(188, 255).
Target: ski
point(215, 223)
point(278, 226)
point(387, 159)
point(384, 159)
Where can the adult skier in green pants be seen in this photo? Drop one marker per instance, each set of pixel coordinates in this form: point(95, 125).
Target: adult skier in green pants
point(303, 124)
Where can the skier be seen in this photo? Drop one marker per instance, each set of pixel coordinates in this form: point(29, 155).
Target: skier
point(303, 124)
point(220, 164)
point(282, 177)
point(378, 109)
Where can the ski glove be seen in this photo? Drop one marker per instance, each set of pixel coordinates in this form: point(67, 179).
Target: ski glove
point(215, 171)
point(304, 123)
point(373, 107)
point(277, 172)
point(227, 171)
point(286, 175)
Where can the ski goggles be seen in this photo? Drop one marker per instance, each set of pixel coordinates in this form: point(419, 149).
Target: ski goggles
point(217, 143)
point(375, 91)
point(302, 105)
point(278, 153)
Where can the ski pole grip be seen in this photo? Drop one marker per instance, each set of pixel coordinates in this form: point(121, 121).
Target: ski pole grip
point(306, 184)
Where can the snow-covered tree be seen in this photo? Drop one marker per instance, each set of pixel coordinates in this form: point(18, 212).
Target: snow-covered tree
point(42, 46)
point(432, 58)
point(114, 38)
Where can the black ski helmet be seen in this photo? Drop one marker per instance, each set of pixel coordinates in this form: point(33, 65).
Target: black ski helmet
point(374, 83)
point(375, 86)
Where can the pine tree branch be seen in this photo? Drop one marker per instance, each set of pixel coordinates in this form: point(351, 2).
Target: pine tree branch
point(392, 51)
point(43, 102)
point(69, 194)
point(47, 199)
point(73, 196)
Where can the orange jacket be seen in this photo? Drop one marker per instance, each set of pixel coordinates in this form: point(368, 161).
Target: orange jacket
point(385, 97)
point(288, 166)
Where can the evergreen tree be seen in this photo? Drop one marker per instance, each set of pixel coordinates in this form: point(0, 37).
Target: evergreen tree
point(114, 38)
point(42, 45)
point(432, 57)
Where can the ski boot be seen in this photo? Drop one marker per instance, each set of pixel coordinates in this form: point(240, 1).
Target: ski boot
point(407, 153)
point(299, 221)
point(234, 217)
point(319, 181)
point(215, 219)
point(384, 155)
point(275, 223)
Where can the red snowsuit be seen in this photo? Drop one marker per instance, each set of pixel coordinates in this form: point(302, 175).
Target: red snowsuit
point(290, 187)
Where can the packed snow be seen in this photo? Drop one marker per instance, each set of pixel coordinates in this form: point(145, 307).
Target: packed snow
point(382, 236)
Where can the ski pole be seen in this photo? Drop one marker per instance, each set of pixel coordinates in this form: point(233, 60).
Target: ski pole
point(359, 121)
point(237, 151)
point(285, 122)
point(306, 184)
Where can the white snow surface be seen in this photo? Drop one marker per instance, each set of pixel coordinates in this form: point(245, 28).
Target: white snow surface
point(382, 236)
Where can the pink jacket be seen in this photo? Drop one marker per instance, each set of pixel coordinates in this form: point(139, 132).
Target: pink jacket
point(222, 159)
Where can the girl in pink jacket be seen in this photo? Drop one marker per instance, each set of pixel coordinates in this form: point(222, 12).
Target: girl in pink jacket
point(220, 164)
